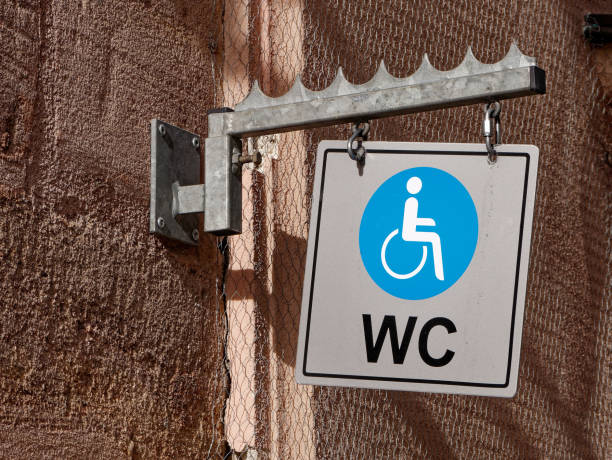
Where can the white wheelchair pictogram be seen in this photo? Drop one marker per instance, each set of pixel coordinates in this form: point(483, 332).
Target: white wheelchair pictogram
point(410, 234)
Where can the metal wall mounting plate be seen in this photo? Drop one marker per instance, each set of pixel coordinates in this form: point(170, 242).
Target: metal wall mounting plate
point(175, 163)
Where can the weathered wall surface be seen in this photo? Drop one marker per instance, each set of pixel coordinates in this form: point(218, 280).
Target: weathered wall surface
point(110, 344)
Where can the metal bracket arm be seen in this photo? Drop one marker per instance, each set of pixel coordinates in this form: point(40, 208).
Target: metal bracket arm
point(454, 92)
point(427, 89)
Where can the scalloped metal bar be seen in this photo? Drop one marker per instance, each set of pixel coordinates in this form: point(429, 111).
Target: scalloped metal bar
point(426, 73)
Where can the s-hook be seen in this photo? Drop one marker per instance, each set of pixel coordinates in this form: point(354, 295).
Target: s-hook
point(360, 132)
point(492, 111)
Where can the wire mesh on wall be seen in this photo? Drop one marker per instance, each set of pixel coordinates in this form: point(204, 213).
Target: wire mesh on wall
point(563, 404)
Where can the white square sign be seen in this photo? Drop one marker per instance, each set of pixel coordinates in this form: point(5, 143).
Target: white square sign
point(417, 267)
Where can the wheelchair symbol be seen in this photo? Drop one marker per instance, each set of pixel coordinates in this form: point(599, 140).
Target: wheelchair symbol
point(410, 234)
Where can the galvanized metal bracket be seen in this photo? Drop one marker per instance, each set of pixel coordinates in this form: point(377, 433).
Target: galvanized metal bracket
point(176, 193)
point(384, 95)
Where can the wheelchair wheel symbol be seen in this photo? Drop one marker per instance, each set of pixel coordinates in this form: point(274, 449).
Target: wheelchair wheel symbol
point(383, 259)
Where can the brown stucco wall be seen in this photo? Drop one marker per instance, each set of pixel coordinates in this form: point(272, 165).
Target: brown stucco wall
point(113, 343)
point(109, 339)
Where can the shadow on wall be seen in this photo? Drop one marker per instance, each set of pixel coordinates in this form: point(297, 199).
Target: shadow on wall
point(278, 311)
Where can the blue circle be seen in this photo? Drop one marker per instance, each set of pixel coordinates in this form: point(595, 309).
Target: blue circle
point(423, 265)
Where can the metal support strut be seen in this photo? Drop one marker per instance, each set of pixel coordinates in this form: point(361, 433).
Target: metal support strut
point(427, 89)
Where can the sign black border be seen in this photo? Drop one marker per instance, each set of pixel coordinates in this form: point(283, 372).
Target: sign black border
point(516, 279)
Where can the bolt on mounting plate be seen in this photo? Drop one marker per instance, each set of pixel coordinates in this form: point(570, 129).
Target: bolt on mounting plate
point(176, 192)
